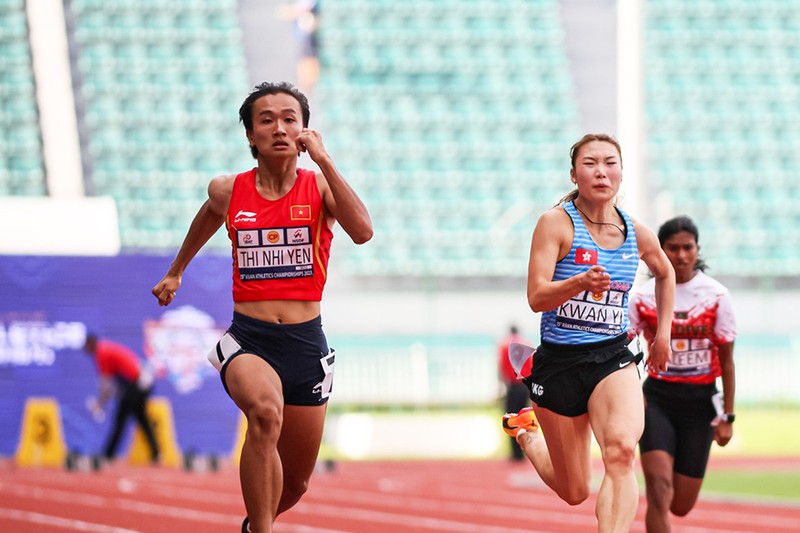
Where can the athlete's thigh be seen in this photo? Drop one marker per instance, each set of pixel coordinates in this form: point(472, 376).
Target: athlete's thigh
point(568, 441)
point(616, 407)
point(300, 438)
point(657, 464)
point(251, 382)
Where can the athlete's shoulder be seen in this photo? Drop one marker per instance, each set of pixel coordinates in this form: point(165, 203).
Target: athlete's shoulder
point(556, 215)
point(707, 283)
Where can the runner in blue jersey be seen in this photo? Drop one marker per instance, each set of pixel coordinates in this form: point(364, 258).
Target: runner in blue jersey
point(583, 260)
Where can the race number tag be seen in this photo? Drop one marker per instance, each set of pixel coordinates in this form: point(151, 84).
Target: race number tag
point(518, 355)
point(324, 387)
point(226, 348)
point(716, 401)
point(635, 347)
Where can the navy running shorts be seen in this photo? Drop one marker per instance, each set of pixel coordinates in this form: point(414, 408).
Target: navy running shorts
point(565, 375)
point(677, 420)
point(299, 354)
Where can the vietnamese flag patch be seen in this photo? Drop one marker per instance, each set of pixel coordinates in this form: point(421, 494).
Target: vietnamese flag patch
point(301, 212)
point(584, 256)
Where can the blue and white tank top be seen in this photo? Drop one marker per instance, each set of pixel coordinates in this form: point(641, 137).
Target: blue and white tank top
point(587, 317)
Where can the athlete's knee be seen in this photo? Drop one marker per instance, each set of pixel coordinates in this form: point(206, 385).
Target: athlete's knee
point(293, 490)
point(574, 493)
point(682, 506)
point(619, 454)
point(264, 421)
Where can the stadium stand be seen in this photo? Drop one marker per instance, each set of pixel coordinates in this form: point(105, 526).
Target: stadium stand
point(160, 82)
point(21, 162)
point(722, 86)
point(453, 119)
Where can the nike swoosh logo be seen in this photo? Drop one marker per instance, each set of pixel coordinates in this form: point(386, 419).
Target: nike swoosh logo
point(627, 256)
point(623, 364)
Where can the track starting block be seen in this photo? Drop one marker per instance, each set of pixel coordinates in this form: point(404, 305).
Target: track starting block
point(41, 438)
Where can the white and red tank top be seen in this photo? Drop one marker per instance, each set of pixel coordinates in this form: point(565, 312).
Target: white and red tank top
point(703, 319)
point(280, 247)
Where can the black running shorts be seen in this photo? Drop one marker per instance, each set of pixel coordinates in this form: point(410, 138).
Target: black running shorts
point(677, 420)
point(565, 375)
point(299, 354)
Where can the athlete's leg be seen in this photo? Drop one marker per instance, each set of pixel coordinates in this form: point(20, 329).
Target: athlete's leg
point(140, 412)
point(560, 453)
point(616, 412)
point(123, 410)
point(691, 460)
point(517, 398)
point(298, 448)
point(256, 389)
point(686, 491)
point(657, 468)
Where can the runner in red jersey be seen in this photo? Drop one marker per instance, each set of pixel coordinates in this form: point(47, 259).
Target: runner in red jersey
point(274, 360)
point(683, 414)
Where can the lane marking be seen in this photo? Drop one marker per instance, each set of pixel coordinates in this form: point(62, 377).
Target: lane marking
point(60, 522)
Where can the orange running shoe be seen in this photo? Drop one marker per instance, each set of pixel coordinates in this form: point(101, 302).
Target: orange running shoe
point(522, 422)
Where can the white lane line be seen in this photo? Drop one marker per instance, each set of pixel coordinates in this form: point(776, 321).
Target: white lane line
point(548, 513)
point(150, 509)
point(59, 522)
point(71, 498)
point(455, 507)
point(411, 522)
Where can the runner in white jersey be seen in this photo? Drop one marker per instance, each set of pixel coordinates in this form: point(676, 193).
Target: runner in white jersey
point(683, 414)
point(584, 380)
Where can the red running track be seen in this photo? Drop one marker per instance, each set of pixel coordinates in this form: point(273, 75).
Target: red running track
point(356, 497)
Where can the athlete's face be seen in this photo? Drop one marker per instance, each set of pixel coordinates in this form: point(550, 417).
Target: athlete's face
point(598, 170)
point(682, 250)
point(277, 121)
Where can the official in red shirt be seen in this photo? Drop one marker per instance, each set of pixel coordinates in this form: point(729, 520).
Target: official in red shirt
point(122, 372)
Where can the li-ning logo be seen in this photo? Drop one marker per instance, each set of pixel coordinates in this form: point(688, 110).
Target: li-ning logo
point(245, 216)
point(536, 389)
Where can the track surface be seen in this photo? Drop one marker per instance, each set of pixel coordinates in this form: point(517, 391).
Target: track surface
point(355, 497)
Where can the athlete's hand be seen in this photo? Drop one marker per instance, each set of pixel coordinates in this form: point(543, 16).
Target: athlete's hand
point(94, 407)
point(723, 433)
point(595, 280)
point(310, 141)
point(166, 289)
point(659, 354)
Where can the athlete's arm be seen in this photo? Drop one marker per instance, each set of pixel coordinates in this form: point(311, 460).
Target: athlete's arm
point(106, 389)
point(207, 221)
point(656, 260)
point(551, 241)
point(340, 200)
point(724, 430)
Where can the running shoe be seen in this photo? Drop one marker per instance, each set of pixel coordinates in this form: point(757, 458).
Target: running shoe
point(522, 422)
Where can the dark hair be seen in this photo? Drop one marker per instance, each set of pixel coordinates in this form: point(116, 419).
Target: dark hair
point(676, 225)
point(576, 148)
point(263, 89)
